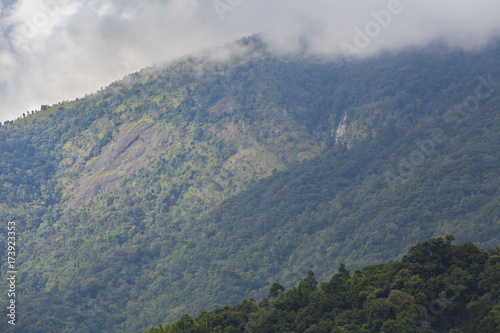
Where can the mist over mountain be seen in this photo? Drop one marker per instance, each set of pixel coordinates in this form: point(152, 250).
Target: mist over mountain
point(56, 50)
point(188, 186)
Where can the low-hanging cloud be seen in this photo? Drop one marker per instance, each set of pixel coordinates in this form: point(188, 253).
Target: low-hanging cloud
point(55, 50)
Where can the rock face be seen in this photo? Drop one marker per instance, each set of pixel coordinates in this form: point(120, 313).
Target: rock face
point(132, 147)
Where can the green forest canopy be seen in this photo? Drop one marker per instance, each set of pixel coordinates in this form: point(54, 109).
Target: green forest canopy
point(436, 287)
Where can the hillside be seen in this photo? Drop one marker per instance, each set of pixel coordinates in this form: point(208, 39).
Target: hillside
point(453, 290)
point(192, 185)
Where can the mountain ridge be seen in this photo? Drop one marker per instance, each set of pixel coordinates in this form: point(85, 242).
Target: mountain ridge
point(191, 186)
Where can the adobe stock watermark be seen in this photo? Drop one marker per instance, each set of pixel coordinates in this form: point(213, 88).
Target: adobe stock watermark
point(277, 122)
point(437, 306)
point(483, 91)
point(417, 157)
point(92, 307)
point(12, 267)
point(471, 103)
point(47, 10)
point(222, 7)
point(372, 29)
point(324, 252)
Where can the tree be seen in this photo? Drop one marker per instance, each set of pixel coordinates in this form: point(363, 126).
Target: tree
point(275, 290)
point(449, 238)
point(343, 271)
point(311, 279)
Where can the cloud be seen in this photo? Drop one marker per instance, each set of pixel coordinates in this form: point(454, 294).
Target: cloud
point(55, 50)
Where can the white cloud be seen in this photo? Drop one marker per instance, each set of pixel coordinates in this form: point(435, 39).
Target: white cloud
point(54, 50)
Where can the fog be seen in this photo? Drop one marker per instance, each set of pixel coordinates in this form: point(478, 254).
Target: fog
point(56, 50)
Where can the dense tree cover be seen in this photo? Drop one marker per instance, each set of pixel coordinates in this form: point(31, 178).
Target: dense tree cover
point(193, 185)
point(436, 287)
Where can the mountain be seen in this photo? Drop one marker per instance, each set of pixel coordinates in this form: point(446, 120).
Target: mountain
point(453, 290)
point(189, 186)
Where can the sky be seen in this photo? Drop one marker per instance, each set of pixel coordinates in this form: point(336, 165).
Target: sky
point(58, 50)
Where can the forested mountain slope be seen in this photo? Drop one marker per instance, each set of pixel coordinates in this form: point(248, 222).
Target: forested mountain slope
point(193, 185)
point(453, 290)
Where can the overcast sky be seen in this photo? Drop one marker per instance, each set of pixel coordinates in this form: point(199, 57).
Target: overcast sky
point(56, 50)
